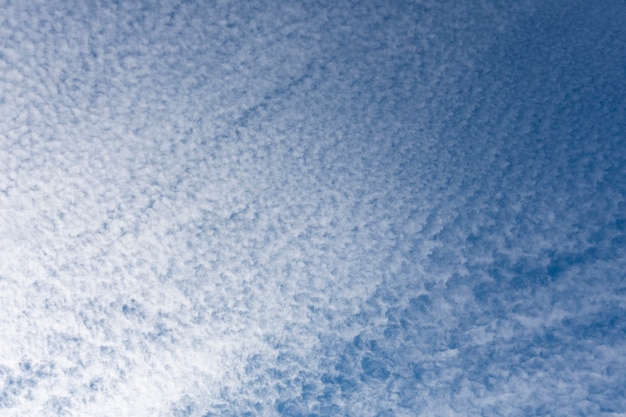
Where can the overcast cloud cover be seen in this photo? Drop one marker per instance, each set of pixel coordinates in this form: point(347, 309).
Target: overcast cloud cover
point(312, 208)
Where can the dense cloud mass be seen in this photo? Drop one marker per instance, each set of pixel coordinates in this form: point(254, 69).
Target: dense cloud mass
point(312, 208)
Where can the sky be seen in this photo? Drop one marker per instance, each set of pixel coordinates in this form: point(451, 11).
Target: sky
point(312, 208)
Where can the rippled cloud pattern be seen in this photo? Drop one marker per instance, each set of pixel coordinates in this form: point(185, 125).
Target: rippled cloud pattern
point(312, 208)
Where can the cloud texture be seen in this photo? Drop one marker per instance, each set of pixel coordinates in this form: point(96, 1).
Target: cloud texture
point(238, 208)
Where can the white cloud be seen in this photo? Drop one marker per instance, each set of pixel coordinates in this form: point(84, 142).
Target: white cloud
point(230, 207)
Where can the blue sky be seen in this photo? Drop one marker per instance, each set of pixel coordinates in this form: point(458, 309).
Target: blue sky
point(242, 208)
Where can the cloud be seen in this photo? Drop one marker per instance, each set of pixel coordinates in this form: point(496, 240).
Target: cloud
point(240, 208)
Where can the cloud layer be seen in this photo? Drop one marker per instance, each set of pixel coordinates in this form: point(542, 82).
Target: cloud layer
point(312, 209)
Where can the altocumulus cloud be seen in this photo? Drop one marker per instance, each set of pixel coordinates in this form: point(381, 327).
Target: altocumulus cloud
point(232, 208)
